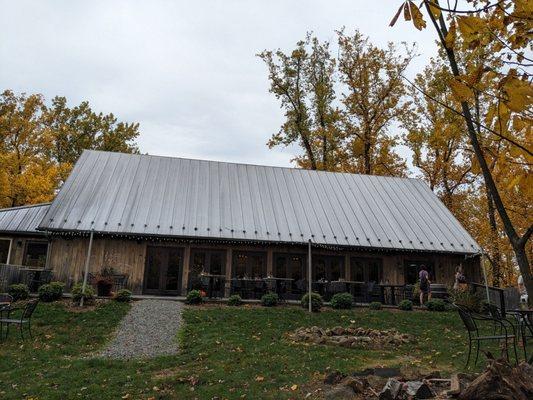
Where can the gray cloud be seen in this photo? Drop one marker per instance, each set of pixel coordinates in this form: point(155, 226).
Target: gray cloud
point(186, 71)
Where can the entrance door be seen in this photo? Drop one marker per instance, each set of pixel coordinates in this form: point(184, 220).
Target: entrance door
point(162, 273)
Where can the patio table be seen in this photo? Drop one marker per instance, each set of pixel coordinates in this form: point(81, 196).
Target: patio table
point(212, 286)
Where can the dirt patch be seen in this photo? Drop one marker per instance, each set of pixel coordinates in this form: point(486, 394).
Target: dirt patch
point(70, 306)
point(353, 337)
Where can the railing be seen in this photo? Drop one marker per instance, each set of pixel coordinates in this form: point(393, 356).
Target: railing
point(505, 299)
point(11, 274)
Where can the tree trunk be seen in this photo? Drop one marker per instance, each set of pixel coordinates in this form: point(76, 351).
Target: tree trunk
point(517, 242)
point(366, 154)
point(497, 272)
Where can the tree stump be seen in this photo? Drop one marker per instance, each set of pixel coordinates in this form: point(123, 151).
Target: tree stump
point(501, 381)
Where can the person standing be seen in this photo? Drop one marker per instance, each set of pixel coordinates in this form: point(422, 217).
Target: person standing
point(425, 284)
point(522, 290)
point(460, 279)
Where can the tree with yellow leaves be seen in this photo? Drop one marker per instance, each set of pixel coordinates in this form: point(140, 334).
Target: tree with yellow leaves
point(39, 144)
point(505, 28)
point(353, 134)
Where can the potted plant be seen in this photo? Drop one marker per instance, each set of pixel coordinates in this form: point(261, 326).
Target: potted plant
point(104, 281)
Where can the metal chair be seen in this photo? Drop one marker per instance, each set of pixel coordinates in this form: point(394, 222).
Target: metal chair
point(6, 298)
point(24, 320)
point(469, 320)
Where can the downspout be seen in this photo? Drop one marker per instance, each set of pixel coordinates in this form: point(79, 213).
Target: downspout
point(86, 274)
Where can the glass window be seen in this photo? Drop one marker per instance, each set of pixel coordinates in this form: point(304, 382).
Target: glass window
point(5, 245)
point(366, 269)
point(289, 266)
point(249, 264)
point(35, 255)
point(328, 268)
point(207, 261)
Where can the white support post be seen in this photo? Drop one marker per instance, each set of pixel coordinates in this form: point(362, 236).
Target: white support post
point(86, 273)
point(309, 275)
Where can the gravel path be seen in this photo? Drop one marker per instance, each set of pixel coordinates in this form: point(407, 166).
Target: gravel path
point(148, 330)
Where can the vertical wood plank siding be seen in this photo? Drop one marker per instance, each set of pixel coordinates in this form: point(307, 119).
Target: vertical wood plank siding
point(67, 257)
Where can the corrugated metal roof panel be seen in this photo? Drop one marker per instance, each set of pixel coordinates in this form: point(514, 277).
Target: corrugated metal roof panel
point(151, 195)
point(23, 220)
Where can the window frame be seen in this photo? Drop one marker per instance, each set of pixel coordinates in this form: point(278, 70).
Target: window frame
point(303, 271)
point(235, 254)
point(25, 253)
point(208, 252)
point(366, 267)
point(10, 248)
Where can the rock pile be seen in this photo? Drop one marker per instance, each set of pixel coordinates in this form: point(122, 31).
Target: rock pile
point(350, 337)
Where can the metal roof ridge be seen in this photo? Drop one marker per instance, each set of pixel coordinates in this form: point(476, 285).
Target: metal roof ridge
point(254, 165)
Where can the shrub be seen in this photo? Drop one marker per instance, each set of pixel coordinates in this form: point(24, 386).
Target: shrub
point(405, 305)
point(234, 300)
point(123, 295)
point(19, 291)
point(466, 299)
point(375, 305)
point(316, 301)
point(51, 292)
point(270, 299)
point(77, 293)
point(436, 305)
point(342, 301)
point(194, 297)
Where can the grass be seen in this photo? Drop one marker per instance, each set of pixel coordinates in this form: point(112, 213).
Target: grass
point(227, 352)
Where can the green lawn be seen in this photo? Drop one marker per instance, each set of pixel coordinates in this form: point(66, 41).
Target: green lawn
point(225, 352)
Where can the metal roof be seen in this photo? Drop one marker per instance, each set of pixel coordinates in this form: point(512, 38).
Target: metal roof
point(22, 220)
point(152, 195)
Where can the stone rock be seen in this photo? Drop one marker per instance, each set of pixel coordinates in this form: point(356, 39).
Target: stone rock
point(334, 377)
point(433, 375)
point(339, 392)
point(357, 385)
point(419, 390)
point(390, 390)
point(338, 331)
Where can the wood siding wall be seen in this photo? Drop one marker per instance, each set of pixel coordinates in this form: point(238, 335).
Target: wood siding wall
point(67, 259)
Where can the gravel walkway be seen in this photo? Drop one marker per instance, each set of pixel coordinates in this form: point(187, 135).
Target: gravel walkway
point(148, 330)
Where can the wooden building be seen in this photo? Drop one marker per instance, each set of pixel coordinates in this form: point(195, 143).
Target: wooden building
point(162, 221)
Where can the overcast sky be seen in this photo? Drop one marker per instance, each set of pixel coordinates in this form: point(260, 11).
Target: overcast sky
point(185, 70)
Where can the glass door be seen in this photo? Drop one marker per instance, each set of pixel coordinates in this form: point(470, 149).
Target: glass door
point(163, 270)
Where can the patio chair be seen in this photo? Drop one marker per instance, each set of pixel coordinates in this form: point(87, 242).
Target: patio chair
point(120, 281)
point(469, 320)
point(6, 298)
point(24, 320)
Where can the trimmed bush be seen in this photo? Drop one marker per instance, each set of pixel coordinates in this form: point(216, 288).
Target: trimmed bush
point(194, 297)
point(436, 305)
point(342, 301)
point(88, 296)
point(123, 296)
point(270, 299)
point(234, 300)
point(19, 291)
point(316, 302)
point(51, 292)
point(405, 305)
point(375, 305)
